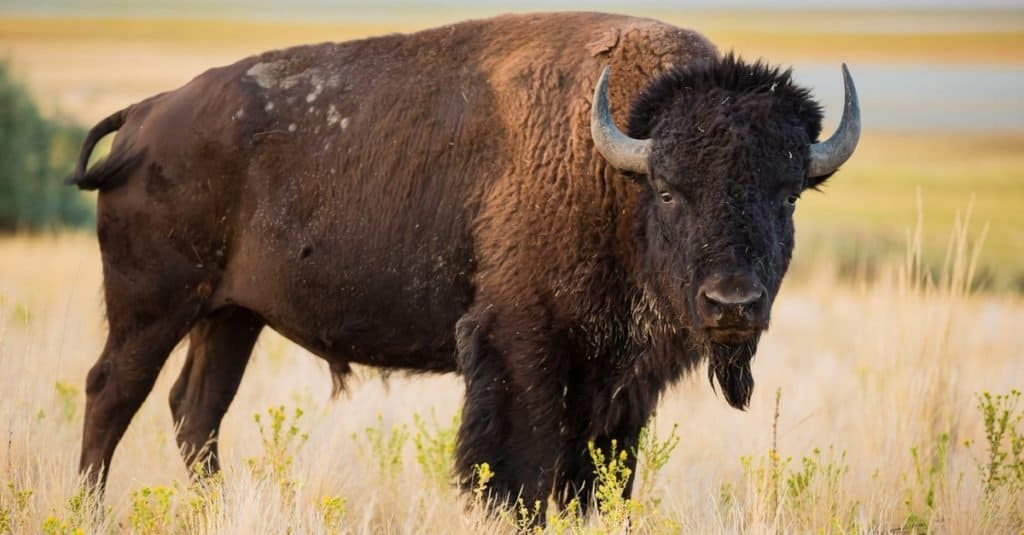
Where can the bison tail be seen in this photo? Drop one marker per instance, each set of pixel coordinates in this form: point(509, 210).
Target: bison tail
point(111, 170)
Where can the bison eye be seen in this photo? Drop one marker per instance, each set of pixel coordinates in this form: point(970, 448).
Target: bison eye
point(666, 197)
point(791, 200)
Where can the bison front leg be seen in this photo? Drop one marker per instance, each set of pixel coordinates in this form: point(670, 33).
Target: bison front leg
point(512, 410)
point(577, 474)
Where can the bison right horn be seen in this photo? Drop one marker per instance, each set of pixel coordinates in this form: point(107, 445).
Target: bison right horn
point(827, 156)
point(620, 150)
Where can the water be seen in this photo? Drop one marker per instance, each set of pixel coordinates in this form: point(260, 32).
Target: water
point(925, 97)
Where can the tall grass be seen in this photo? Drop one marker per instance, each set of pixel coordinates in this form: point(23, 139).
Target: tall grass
point(883, 405)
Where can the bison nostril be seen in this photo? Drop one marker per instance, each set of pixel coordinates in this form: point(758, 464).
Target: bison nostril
point(735, 297)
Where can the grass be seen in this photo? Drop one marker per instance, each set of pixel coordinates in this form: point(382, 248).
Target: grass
point(864, 210)
point(881, 405)
point(886, 398)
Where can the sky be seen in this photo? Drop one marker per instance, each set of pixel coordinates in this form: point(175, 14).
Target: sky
point(315, 8)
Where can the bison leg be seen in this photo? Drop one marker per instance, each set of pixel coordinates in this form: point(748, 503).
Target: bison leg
point(118, 384)
point(218, 351)
point(512, 411)
point(577, 472)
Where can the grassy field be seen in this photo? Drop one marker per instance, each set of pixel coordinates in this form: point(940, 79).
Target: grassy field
point(881, 423)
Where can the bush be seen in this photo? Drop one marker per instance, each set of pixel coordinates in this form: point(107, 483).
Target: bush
point(36, 154)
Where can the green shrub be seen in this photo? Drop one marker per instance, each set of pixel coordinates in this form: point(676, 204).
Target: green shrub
point(36, 154)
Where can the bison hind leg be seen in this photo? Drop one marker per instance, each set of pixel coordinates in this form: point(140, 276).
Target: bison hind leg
point(219, 349)
point(121, 379)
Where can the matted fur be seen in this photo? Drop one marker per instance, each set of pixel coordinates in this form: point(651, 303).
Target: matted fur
point(433, 202)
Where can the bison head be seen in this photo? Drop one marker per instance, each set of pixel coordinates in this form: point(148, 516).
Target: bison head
point(723, 150)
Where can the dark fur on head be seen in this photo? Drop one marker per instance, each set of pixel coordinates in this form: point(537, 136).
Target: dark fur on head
point(729, 154)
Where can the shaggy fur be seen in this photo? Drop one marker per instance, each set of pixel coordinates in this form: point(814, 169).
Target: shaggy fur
point(434, 202)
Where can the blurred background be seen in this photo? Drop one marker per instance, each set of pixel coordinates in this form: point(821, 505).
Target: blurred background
point(941, 84)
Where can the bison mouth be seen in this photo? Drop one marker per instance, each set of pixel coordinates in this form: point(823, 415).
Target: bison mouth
point(733, 335)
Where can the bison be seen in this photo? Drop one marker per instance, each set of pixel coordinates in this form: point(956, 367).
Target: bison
point(455, 201)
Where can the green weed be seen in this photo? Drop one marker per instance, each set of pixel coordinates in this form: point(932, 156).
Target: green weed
point(67, 400)
point(930, 474)
point(12, 518)
point(281, 439)
point(1003, 466)
point(482, 475)
point(435, 447)
point(523, 518)
point(332, 510)
point(384, 447)
point(151, 510)
point(1001, 470)
point(652, 455)
point(808, 493)
point(80, 511)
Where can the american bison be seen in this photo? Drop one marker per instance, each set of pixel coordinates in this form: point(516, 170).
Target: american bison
point(458, 200)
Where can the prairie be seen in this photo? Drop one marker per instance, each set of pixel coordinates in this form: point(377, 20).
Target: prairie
point(880, 423)
point(888, 387)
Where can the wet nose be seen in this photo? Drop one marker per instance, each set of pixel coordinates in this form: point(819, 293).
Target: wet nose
point(736, 301)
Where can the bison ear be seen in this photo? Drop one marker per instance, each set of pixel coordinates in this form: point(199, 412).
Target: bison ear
point(815, 182)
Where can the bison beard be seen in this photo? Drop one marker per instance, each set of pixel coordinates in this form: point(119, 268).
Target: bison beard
point(731, 366)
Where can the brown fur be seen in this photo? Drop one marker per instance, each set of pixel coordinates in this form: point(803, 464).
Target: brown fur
point(427, 202)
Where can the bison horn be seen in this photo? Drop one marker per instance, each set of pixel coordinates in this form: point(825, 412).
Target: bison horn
point(620, 150)
point(827, 156)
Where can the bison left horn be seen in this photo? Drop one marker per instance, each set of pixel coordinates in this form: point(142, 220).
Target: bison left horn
point(827, 156)
point(620, 150)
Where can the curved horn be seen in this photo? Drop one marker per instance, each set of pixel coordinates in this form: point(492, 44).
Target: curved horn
point(827, 156)
point(620, 150)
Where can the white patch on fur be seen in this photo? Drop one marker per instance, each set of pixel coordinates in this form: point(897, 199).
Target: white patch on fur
point(292, 127)
point(332, 115)
point(318, 87)
point(266, 75)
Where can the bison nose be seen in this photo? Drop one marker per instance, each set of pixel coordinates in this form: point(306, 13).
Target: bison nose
point(732, 302)
point(740, 296)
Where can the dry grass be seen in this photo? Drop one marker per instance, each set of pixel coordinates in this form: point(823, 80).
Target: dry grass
point(869, 373)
